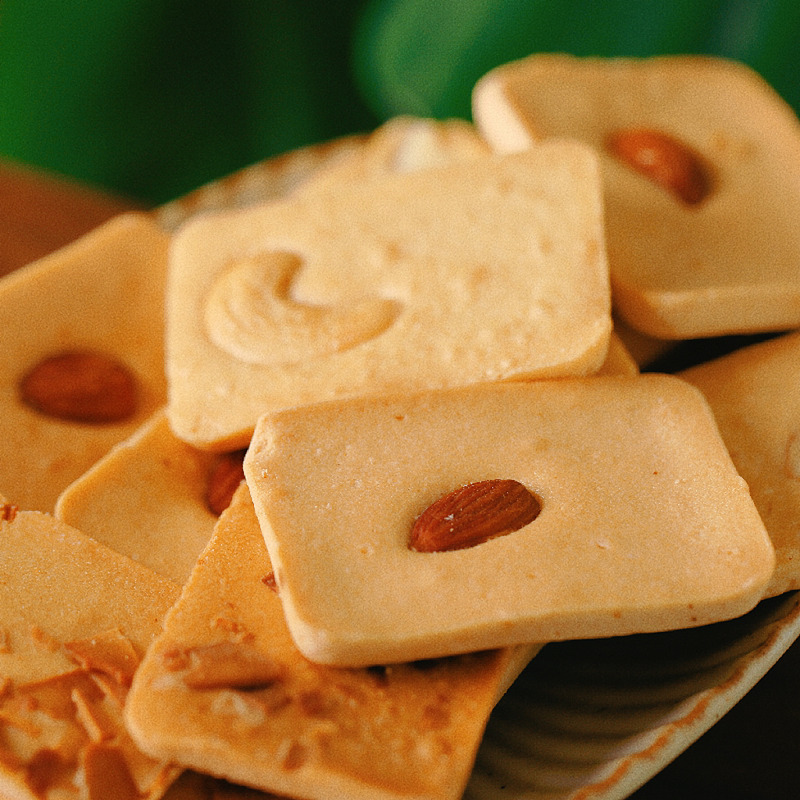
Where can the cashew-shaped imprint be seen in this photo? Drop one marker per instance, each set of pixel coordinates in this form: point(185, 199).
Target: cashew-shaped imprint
point(250, 314)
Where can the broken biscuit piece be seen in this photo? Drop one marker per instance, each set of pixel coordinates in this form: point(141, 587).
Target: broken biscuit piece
point(76, 620)
point(604, 506)
point(225, 691)
point(701, 169)
point(148, 498)
point(491, 269)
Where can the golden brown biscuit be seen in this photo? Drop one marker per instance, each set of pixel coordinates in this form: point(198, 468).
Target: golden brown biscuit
point(97, 306)
point(684, 263)
point(487, 270)
point(755, 396)
point(147, 498)
point(225, 691)
point(76, 618)
point(643, 523)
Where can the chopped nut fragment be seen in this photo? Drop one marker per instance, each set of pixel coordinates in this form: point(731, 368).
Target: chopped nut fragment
point(107, 774)
point(96, 724)
point(42, 771)
point(20, 722)
point(223, 665)
point(270, 582)
point(292, 755)
point(109, 652)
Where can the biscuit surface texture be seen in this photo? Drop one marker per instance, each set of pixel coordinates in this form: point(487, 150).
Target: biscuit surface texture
point(486, 270)
point(644, 522)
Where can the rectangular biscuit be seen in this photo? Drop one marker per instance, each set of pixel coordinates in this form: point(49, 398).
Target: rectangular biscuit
point(490, 269)
point(643, 522)
point(225, 691)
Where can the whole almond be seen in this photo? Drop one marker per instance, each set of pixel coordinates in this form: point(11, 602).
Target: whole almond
point(81, 386)
point(664, 160)
point(473, 514)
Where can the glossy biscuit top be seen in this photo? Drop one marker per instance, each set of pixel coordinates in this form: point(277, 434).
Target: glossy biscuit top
point(643, 525)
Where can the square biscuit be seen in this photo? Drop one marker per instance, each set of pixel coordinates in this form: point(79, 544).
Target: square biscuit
point(103, 294)
point(719, 260)
point(644, 525)
point(225, 691)
point(488, 269)
point(754, 393)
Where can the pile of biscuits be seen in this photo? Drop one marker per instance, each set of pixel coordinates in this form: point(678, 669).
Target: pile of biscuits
point(301, 470)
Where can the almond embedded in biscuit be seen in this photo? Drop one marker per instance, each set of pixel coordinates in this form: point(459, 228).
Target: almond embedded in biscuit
point(713, 127)
point(97, 307)
point(645, 525)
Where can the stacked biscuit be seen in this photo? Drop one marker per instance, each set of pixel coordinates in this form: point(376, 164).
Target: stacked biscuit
point(389, 439)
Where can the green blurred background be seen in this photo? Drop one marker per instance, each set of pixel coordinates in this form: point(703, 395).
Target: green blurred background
point(152, 98)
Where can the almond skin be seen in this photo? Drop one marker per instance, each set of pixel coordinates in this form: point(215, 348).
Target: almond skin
point(473, 514)
point(663, 160)
point(81, 386)
point(226, 475)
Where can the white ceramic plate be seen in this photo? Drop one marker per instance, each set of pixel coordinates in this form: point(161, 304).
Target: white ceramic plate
point(596, 719)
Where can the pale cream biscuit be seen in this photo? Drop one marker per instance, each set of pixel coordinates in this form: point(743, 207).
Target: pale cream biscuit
point(490, 269)
point(75, 620)
point(719, 254)
point(147, 498)
point(754, 393)
point(101, 298)
point(225, 691)
point(644, 523)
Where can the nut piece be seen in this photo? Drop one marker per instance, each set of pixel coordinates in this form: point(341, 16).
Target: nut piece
point(226, 475)
point(8, 511)
point(81, 386)
point(109, 652)
point(473, 514)
point(223, 665)
point(664, 160)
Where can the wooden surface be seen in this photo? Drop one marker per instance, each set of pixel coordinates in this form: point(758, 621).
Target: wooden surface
point(753, 753)
point(40, 212)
